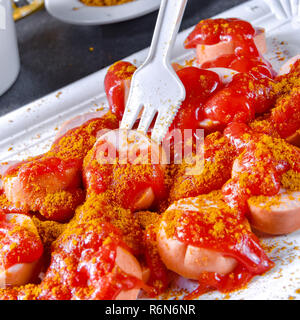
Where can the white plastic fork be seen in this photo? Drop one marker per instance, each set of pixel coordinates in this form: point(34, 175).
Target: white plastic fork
point(155, 86)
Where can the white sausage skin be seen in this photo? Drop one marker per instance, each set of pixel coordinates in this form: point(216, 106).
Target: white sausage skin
point(190, 261)
point(276, 215)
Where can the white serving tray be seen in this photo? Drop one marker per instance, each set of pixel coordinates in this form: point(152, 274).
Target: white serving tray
point(31, 129)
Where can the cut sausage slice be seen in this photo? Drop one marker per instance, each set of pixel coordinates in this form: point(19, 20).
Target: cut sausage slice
point(279, 214)
point(20, 273)
point(286, 68)
point(130, 148)
point(211, 52)
point(79, 121)
point(28, 195)
point(190, 261)
point(128, 264)
point(225, 75)
point(145, 200)
point(4, 166)
point(294, 139)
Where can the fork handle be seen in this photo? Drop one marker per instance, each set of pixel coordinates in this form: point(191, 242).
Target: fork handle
point(167, 26)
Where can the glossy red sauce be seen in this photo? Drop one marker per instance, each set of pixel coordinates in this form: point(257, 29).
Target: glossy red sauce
point(262, 179)
point(116, 85)
point(232, 30)
point(128, 181)
point(199, 84)
point(246, 95)
point(241, 64)
point(212, 31)
point(235, 280)
point(34, 169)
point(236, 240)
point(159, 279)
point(18, 244)
point(83, 265)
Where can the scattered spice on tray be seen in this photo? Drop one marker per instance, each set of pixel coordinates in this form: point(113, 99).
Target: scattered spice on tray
point(102, 3)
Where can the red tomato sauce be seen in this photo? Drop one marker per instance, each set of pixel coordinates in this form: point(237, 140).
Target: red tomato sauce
point(127, 181)
point(116, 85)
point(212, 31)
point(232, 30)
point(83, 265)
point(18, 244)
point(199, 84)
point(159, 279)
point(244, 97)
point(223, 231)
point(260, 169)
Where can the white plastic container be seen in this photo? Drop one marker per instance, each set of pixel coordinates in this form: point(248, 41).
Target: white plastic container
point(9, 54)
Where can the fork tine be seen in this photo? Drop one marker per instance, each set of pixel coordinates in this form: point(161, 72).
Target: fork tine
point(160, 128)
point(130, 115)
point(146, 119)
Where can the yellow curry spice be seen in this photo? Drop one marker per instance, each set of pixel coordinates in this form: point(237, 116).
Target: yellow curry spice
point(101, 3)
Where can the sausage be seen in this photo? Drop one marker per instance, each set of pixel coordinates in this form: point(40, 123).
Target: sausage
point(26, 196)
point(225, 75)
point(190, 261)
point(129, 148)
point(286, 68)
point(145, 199)
point(3, 168)
point(211, 52)
point(78, 121)
point(276, 215)
point(128, 264)
point(294, 139)
point(20, 273)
